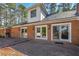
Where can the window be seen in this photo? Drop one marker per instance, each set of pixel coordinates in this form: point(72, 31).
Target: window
point(61, 32)
point(25, 30)
point(33, 13)
point(38, 29)
point(41, 32)
point(22, 31)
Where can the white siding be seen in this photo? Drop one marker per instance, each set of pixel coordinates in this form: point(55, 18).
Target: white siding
point(42, 15)
point(39, 15)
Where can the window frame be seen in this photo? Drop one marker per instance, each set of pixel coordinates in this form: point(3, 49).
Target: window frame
point(33, 13)
point(60, 39)
point(40, 26)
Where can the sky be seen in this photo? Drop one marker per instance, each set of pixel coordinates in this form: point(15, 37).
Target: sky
point(27, 5)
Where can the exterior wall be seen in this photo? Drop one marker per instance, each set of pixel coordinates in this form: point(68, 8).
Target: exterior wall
point(2, 32)
point(42, 15)
point(15, 32)
point(75, 32)
point(31, 32)
point(8, 32)
point(49, 32)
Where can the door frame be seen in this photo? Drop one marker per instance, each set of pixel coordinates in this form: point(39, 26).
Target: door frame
point(69, 24)
point(41, 31)
point(21, 33)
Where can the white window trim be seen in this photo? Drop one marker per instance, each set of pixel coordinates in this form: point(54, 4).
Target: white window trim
point(69, 24)
point(41, 30)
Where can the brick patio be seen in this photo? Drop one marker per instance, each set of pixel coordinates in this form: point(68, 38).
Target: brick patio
point(37, 48)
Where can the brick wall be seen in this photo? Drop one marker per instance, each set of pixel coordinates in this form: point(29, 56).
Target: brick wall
point(31, 32)
point(49, 32)
point(2, 32)
point(75, 31)
point(15, 32)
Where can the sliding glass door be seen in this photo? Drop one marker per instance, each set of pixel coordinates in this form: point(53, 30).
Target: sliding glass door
point(41, 32)
point(61, 32)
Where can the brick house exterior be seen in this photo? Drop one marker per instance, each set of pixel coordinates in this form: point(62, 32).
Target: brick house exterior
point(66, 28)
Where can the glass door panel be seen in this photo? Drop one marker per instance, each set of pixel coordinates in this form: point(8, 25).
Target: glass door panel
point(25, 33)
point(22, 32)
point(64, 32)
point(38, 32)
point(43, 33)
point(56, 32)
